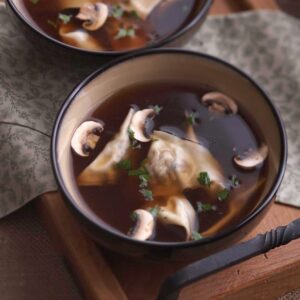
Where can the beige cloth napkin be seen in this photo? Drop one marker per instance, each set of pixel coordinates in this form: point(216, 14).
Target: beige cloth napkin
point(264, 44)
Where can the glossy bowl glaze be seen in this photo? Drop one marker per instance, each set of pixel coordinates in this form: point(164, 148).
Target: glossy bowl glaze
point(167, 65)
point(53, 46)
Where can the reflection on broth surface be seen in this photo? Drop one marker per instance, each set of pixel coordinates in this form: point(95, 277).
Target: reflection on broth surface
point(111, 25)
point(163, 168)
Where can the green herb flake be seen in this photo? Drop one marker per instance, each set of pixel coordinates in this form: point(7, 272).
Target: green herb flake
point(135, 14)
point(191, 119)
point(144, 180)
point(203, 179)
point(148, 195)
point(223, 195)
point(123, 32)
point(154, 211)
point(205, 207)
point(52, 23)
point(64, 18)
point(157, 109)
point(116, 11)
point(133, 142)
point(142, 171)
point(134, 216)
point(34, 1)
point(235, 182)
point(124, 164)
point(196, 236)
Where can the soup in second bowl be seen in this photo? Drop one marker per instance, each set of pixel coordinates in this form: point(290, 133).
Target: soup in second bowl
point(109, 25)
point(169, 162)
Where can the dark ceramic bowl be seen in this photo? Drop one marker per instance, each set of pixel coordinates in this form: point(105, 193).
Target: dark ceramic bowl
point(51, 45)
point(167, 65)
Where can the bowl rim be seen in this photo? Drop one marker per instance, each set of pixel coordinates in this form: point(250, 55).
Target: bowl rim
point(94, 221)
point(168, 39)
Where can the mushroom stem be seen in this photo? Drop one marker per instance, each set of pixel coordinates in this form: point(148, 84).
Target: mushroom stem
point(144, 226)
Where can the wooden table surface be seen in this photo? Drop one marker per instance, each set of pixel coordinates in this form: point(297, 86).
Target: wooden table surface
point(105, 275)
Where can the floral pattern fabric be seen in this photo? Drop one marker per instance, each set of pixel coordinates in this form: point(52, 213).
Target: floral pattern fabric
point(266, 45)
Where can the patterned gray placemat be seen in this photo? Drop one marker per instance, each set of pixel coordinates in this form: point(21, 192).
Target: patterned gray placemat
point(264, 44)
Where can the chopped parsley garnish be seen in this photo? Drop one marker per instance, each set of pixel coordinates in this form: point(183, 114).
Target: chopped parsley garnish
point(191, 119)
point(116, 11)
point(34, 1)
point(144, 180)
point(123, 32)
point(196, 236)
point(205, 207)
point(235, 182)
point(154, 211)
point(134, 216)
point(133, 142)
point(52, 23)
point(148, 195)
point(157, 109)
point(142, 171)
point(144, 177)
point(203, 178)
point(124, 164)
point(64, 18)
point(223, 195)
point(135, 14)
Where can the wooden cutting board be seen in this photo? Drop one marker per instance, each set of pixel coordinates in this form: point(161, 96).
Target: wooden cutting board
point(103, 275)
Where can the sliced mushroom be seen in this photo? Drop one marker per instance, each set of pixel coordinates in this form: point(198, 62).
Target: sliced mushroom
point(139, 123)
point(252, 159)
point(219, 103)
point(86, 137)
point(144, 226)
point(103, 169)
point(174, 165)
point(94, 15)
point(179, 211)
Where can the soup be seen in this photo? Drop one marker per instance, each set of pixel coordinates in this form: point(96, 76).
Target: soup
point(109, 25)
point(169, 162)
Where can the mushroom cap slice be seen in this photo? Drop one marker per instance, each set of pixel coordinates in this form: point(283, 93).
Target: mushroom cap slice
point(103, 169)
point(94, 15)
point(174, 165)
point(86, 137)
point(219, 103)
point(252, 159)
point(144, 226)
point(138, 124)
point(179, 211)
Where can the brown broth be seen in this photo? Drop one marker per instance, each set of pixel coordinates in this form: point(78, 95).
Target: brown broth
point(224, 136)
point(164, 20)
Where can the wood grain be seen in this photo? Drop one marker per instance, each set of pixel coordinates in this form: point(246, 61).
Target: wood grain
point(91, 269)
point(263, 277)
point(221, 7)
